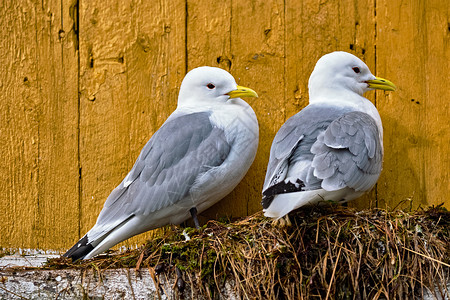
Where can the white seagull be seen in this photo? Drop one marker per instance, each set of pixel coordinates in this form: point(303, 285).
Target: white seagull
point(196, 158)
point(332, 150)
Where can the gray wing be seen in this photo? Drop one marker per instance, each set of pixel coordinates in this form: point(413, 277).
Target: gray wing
point(336, 148)
point(167, 167)
point(297, 135)
point(349, 153)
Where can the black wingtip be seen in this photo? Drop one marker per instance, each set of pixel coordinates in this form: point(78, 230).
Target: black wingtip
point(266, 201)
point(79, 250)
point(280, 188)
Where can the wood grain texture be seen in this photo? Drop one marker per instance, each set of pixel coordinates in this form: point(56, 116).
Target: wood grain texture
point(208, 36)
point(58, 131)
point(38, 124)
point(19, 125)
point(413, 41)
point(90, 94)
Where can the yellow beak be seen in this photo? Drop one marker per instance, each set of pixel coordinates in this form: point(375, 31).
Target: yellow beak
point(381, 84)
point(242, 91)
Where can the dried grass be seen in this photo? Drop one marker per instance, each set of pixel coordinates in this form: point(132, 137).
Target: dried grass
point(328, 253)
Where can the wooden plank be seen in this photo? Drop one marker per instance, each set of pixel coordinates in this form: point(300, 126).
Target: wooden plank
point(413, 51)
point(39, 175)
point(19, 125)
point(132, 63)
point(112, 284)
point(58, 125)
point(208, 34)
point(155, 69)
point(105, 32)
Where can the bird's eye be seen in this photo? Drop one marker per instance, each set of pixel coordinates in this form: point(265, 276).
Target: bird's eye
point(356, 69)
point(210, 86)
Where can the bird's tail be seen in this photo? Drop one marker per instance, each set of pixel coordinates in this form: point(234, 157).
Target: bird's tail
point(281, 187)
point(101, 240)
point(80, 249)
point(282, 204)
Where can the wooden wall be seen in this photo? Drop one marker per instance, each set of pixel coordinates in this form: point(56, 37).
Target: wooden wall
point(84, 85)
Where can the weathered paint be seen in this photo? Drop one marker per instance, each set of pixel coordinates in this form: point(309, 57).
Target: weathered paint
point(83, 88)
point(39, 183)
point(413, 50)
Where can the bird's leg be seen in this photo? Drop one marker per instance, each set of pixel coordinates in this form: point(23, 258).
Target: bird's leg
point(288, 221)
point(282, 222)
point(276, 223)
point(193, 212)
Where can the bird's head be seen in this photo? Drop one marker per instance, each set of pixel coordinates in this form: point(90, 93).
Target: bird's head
point(343, 71)
point(209, 84)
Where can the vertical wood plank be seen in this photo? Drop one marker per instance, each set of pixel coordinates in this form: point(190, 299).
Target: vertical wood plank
point(208, 34)
point(413, 50)
point(132, 63)
point(105, 32)
point(39, 172)
point(19, 124)
point(58, 129)
point(156, 66)
point(437, 107)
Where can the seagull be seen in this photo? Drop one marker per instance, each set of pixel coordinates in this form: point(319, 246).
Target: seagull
point(197, 157)
point(332, 150)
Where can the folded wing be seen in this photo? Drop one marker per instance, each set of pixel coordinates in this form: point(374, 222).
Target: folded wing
point(324, 147)
point(183, 149)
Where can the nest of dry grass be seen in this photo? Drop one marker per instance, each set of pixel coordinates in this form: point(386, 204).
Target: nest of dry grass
point(329, 252)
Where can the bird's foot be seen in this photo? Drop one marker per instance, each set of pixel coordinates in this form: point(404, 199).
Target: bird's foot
point(282, 222)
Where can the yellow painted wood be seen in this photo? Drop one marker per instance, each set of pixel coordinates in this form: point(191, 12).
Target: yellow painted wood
point(258, 36)
point(96, 107)
point(58, 183)
point(38, 125)
point(19, 99)
point(413, 50)
point(208, 42)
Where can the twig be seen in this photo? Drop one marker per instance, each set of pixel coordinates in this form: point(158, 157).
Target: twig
point(426, 256)
point(332, 275)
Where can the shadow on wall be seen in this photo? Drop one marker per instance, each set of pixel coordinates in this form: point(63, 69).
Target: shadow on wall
point(402, 181)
